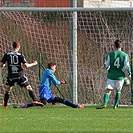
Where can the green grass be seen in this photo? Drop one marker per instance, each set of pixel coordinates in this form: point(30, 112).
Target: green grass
point(62, 119)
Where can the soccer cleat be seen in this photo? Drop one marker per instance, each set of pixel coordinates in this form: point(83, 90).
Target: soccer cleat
point(24, 106)
point(101, 107)
point(81, 106)
point(38, 103)
point(3, 104)
point(114, 107)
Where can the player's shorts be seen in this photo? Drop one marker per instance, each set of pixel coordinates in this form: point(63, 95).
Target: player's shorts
point(22, 81)
point(114, 84)
point(45, 92)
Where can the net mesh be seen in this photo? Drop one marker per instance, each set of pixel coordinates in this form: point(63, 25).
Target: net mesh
point(48, 33)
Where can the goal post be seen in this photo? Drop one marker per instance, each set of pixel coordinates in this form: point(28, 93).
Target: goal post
point(73, 53)
point(48, 31)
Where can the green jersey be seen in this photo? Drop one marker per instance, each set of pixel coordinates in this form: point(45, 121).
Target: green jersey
point(117, 62)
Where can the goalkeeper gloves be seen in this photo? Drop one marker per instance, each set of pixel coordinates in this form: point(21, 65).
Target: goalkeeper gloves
point(63, 81)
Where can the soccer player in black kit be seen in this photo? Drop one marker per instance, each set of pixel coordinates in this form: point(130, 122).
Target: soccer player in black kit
point(14, 61)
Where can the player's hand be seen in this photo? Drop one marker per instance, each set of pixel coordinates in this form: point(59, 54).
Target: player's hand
point(35, 63)
point(63, 81)
point(129, 76)
point(126, 81)
point(3, 66)
point(107, 68)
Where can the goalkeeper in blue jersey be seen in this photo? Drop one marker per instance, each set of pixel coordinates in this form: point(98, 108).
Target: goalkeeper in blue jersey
point(117, 64)
point(45, 94)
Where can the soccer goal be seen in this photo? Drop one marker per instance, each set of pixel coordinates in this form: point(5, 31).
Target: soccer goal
point(77, 39)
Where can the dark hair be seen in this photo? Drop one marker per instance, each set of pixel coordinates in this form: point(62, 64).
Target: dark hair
point(15, 44)
point(51, 64)
point(118, 43)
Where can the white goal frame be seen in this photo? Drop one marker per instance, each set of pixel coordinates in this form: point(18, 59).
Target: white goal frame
point(73, 38)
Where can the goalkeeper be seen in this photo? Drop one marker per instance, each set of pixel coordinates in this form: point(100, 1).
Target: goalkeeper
point(48, 78)
point(116, 63)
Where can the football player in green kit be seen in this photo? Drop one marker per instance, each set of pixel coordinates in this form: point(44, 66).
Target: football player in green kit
point(117, 64)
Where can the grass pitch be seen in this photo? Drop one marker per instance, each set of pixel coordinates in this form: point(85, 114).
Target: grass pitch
point(63, 119)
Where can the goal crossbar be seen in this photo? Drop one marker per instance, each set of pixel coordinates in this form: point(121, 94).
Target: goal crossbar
point(63, 9)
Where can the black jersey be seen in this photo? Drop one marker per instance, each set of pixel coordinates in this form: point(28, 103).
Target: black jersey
point(14, 62)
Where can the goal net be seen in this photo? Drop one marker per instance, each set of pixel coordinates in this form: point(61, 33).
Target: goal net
point(47, 33)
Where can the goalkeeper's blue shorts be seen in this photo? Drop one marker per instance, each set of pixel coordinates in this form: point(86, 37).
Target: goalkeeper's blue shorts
point(45, 92)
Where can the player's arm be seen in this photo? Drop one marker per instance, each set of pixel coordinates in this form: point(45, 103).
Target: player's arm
point(55, 81)
point(53, 78)
point(107, 63)
point(128, 70)
point(127, 65)
point(3, 61)
point(25, 63)
point(30, 64)
point(2, 65)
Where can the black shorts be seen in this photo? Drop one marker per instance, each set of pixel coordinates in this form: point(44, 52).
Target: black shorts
point(21, 80)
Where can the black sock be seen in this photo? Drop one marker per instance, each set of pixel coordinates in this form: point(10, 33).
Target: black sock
point(30, 105)
point(70, 104)
point(60, 100)
point(32, 95)
point(6, 97)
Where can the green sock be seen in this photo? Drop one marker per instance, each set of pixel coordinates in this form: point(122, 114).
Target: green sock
point(117, 98)
point(106, 98)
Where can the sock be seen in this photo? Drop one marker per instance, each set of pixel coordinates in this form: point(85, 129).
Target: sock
point(30, 105)
point(106, 98)
point(6, 97)
point(117, 98)
point(32, 95)
point(70, 104)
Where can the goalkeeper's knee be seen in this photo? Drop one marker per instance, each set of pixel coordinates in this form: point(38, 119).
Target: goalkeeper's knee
point(43, 100)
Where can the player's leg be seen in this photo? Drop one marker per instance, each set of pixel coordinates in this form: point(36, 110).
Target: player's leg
point(45, 94)
point(9, 84)
point(63, 101)
point(31, 92)
point(109, 87)
point(23, 82)
point(42, 92)
point(106, 96)
point(28, 105)
point(105, 99)
point(119, 85)
point(117, 99)
point(6, 96)
point(43, 100)
point(32, 95)
point(67, 103)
